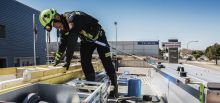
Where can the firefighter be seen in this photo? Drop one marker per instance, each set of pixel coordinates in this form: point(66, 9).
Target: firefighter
point(79, 24)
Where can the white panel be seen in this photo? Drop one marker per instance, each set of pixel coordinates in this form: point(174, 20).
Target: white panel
point(128, 46)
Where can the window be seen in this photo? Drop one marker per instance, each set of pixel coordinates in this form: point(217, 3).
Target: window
point(17, 62)
point(3, 63)
point(2, 31)
point(25, 61)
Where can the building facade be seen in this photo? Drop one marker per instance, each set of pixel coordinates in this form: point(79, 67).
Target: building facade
point(142, 48)
point(16, 35)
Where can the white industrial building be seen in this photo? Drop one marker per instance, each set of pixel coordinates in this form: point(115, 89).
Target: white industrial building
point(144, 48)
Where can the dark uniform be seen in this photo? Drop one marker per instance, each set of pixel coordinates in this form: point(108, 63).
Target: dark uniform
point(88, 29)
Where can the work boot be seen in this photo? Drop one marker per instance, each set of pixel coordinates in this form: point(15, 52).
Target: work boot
point(114, 92)
point(66, 65)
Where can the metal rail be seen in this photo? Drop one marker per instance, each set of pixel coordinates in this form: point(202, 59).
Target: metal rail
point(92, 92)
point(203, 91)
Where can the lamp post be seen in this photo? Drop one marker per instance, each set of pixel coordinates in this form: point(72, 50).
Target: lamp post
point(188, 45)
point(34, 33)
point(116, 36)
point(116, 40)
point(47, 41)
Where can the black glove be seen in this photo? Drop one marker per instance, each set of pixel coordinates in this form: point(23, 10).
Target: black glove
point(57, 58)
point(66, 65)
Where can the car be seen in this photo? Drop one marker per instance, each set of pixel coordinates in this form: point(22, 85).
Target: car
point(160, 66)
point(189, 58)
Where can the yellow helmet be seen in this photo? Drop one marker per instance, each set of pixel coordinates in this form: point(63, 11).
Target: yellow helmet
point(46, 18)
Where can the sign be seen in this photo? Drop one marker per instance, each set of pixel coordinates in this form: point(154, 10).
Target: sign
point(148, 43)
point(173, 55)
point(171, 44)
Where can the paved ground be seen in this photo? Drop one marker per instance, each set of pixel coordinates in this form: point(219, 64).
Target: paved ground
point(209, 75)
point(208, 65)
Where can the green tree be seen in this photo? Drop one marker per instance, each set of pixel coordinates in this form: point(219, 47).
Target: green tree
point(213, 52)
point(207, 49)
point(162, 51)
point(184, 51)
point(197, 53)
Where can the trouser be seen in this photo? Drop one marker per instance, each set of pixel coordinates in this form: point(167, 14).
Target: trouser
point(86, 50)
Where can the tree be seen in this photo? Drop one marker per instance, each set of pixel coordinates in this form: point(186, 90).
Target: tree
point(213, 52)
point(162, 51)
point(197, 53)
point(207, 49)
point(184, 51)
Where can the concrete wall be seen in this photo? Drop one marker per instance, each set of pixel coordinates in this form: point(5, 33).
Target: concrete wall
point(17, 19)
point(133, 63)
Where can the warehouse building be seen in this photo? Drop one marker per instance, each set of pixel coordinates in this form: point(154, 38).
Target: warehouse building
point(16, 35)
point(141, 48)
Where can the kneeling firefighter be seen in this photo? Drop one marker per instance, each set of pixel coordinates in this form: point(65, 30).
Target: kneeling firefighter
point(79, 24)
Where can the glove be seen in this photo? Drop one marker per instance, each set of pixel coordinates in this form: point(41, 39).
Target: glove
point(57, 58)
point(66, 65)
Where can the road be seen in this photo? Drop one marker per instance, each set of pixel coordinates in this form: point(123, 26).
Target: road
point(209, 75)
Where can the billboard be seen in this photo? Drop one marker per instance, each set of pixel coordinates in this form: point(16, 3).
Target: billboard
point(171, 44)
point(148, 43)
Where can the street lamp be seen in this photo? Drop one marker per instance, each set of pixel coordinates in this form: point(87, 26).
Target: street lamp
point(188, 45)
point(116, 40)
point(116, 36)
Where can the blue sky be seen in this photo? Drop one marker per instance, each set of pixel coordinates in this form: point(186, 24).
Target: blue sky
point(144, 20)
